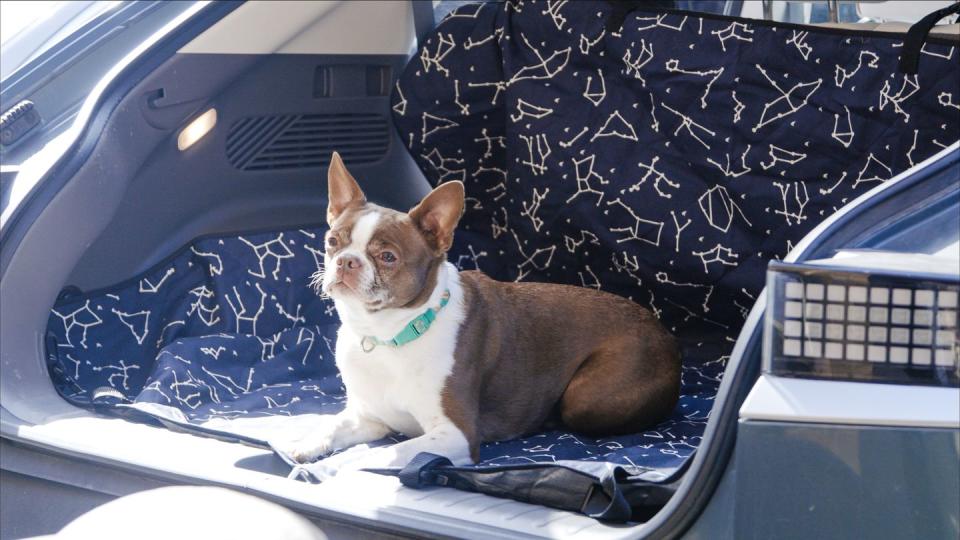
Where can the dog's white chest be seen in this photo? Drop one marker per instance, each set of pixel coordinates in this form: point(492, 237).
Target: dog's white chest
point(395, 388)
point(402, 386)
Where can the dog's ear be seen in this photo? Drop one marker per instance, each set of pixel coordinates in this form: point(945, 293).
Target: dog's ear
point(342, 190)
point(438, 213)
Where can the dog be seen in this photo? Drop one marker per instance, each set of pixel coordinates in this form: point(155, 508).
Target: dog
point(454, 359)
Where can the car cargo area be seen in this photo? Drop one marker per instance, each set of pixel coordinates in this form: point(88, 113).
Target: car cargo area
point(664, 156)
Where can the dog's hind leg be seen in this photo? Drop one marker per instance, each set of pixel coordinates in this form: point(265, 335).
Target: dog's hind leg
point(625, 386)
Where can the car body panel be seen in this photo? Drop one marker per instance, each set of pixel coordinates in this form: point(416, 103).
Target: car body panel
point(851, 403)
point(805, 480)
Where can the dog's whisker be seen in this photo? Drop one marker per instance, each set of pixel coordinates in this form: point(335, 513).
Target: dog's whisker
point(316, 283)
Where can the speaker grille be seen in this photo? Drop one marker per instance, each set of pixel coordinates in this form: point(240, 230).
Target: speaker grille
point(298, 141)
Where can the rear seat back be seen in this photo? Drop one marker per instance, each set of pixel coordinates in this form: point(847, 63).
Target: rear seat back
point(667, 159)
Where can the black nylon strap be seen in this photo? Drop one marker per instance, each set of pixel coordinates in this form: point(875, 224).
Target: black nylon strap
point(420, 471)
point(621, 8)
point(917, 35)
point(599, 497)
point(423, 20)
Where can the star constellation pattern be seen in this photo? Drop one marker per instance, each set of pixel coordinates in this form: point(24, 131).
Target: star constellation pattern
point(876, 170)
point(793, 207)
point(205, 312)
point(736, 31)
point(433, 124)
point(946, 99)
point(472, 256)
point(539, 259)
point(908, 88)
point(738, 108)
point(798, 39)
point(586, 237)
point(571, 142)
point(673, 66)
point(717, 254)
point(242, 312)
point(841, 75)
point(215, 265)
point(679, 227)
point(530, 110)
point(615, 126)
point(586, 43)
point(122, 371)
point(727, 170)
point(133, 321)
point(687, 123)
point(464, 107)
point(595, 92)
point(643, 230)
point(553, 10)
point(265, 250)
point(573, 175)
point(446, 166)
point(531, 210)
point(83, 318)
point(193, 351)
point(658, 177)
point(778, 154)
point(636, 59)
point(629, 266)
point(538, 150)
point(658, 21)
point(719, 209)
point(147, 287)
point(593, 282)
point(844, 137)
point(585, 176)
point(788, 102)
point(444, 46)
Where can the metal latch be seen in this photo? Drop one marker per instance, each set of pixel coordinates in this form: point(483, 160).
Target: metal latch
point(17, 122)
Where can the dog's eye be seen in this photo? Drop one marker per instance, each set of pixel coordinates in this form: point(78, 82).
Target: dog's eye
point(388, 257)
point(332, 241)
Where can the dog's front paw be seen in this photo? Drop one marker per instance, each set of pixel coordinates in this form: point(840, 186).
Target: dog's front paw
point(354, 459)
point(307, 449)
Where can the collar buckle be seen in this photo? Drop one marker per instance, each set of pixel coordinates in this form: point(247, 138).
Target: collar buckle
point(420, 326)
point(414, 329)
point(368, 343)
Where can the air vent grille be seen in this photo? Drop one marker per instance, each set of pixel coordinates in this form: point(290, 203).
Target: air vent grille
point(298, 141)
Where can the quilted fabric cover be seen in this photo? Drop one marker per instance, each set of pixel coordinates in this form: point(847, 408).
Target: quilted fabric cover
point(666, 161)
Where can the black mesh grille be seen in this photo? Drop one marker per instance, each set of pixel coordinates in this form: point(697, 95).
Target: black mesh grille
point(307, 140)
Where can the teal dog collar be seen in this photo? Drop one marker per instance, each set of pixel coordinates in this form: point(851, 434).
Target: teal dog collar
point(414, 329)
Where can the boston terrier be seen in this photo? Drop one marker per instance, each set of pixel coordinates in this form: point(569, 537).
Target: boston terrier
point(454, 359)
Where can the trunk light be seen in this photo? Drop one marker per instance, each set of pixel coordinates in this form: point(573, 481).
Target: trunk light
point(196, 129)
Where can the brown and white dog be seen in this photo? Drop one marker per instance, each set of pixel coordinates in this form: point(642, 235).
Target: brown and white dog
point(492, 364)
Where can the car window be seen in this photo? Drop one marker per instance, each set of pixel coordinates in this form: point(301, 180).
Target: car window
point(29, 28)
point(63, 52)
point(866, 12)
